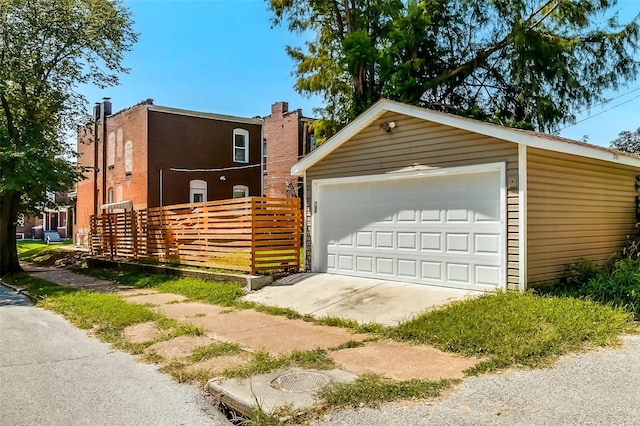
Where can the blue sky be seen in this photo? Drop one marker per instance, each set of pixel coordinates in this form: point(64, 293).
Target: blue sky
point(223, 56)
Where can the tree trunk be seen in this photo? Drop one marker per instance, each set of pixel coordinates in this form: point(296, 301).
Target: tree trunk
point(8, 248)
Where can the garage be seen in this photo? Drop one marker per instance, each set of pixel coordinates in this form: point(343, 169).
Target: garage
point(443, 227)
point(408, 194)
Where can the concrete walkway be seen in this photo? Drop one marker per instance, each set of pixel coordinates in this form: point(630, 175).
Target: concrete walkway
point(255, 331)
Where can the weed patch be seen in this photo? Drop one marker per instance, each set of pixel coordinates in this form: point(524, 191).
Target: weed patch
point(370, 328)
point(512, 328)
point(261, 363)
point(371, 390)
point(214, 350)
point(617, 284)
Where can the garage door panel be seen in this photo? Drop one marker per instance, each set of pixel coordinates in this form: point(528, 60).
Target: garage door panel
point(444, 230)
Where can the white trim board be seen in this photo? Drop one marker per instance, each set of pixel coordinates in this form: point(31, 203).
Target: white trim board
point(526, 138)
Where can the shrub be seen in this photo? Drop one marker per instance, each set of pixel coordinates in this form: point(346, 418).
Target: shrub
point(617, 284)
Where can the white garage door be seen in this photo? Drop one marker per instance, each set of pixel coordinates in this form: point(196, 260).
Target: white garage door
point(439, 229)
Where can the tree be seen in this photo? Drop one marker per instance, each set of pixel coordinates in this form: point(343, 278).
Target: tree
point(627, 141)
point(46, 49)
point(520, 63)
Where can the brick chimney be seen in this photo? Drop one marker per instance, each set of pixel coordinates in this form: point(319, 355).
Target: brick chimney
point(280, 108)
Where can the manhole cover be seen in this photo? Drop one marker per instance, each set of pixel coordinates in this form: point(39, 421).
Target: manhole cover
point(300, 382)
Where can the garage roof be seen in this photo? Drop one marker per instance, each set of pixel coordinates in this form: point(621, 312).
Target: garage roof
point(524, 137)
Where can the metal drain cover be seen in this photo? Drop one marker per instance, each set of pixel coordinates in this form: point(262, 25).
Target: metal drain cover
point(300, 382)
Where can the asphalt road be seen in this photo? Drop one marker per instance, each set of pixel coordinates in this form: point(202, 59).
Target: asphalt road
point(597, 388)
point(54, 374)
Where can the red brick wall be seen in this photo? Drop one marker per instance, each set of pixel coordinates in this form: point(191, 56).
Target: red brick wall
point(187, 142)
point(282, 134)
point(127, 125)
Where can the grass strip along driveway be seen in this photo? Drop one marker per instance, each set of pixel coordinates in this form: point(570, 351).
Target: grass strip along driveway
point(503, 329)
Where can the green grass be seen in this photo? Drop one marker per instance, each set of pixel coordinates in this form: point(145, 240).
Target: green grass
point(371, 390)
point(224, 294)
point(214, 350)
point(261, 363)
point(366, 328)
point(96, 310)
point(516, 329)
point(34, 251)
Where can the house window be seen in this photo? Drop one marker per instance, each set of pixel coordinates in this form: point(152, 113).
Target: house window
point(264, 155)
point(240, 145)
point(197, 191)
point(240, 191)
point(110, 195)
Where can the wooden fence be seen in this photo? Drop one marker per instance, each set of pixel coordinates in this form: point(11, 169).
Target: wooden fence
point(244, 234)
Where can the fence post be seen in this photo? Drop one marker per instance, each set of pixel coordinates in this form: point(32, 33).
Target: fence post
point(253, 215)
point(134, 234)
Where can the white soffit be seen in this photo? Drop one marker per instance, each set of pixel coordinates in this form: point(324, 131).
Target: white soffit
point(523, 137)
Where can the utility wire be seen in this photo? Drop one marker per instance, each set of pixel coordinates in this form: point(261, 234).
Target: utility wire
point(606, 101)
point(601, 112)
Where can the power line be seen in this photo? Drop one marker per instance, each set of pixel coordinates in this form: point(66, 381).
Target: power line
point(223, 169)
point(601, 112)
point(606, 101)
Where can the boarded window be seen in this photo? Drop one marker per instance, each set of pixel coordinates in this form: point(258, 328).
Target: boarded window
point(240, 191)
point(119, 144)
point(119, 193)
point(111, 150)
point(128, 158)
point(197, 191)
point(110, 195)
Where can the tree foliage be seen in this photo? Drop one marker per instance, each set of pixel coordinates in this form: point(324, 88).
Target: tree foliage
point(520, 63)
point(627, 141)
point(46, 49)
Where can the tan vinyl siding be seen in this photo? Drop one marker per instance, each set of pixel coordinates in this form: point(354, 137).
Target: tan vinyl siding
point(416, 143)
point(577, 208)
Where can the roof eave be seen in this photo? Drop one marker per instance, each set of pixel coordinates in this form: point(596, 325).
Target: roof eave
point(480, 127)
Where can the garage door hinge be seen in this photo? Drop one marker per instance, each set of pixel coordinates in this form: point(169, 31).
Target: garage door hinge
point(315, 207)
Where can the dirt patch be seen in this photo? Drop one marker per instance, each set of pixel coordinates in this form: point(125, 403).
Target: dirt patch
point(140, 333)
point(156, 299)
point(179, 347)
point(181, 311)
point(61, 258)
point(402, 361)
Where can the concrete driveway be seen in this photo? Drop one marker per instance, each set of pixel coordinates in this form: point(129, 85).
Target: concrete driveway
point(361, 299)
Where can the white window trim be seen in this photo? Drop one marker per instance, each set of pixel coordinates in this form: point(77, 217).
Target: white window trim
point(197, 186)
point(244, 133)
point(239, 188)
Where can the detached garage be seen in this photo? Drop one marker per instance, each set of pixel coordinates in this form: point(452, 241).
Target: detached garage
point(408, 194)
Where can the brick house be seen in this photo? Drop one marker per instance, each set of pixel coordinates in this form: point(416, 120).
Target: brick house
point(287, 138)
point(157, 156)
point(59, 219)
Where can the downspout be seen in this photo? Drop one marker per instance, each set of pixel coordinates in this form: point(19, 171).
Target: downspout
point(96, 117)
point(104, 113)
point(161, 188)
point(262, 158)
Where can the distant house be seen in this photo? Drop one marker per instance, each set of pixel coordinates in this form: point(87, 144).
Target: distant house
point(149, 156)
point(287, 138)
point(60, 219)
point(408, 194)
